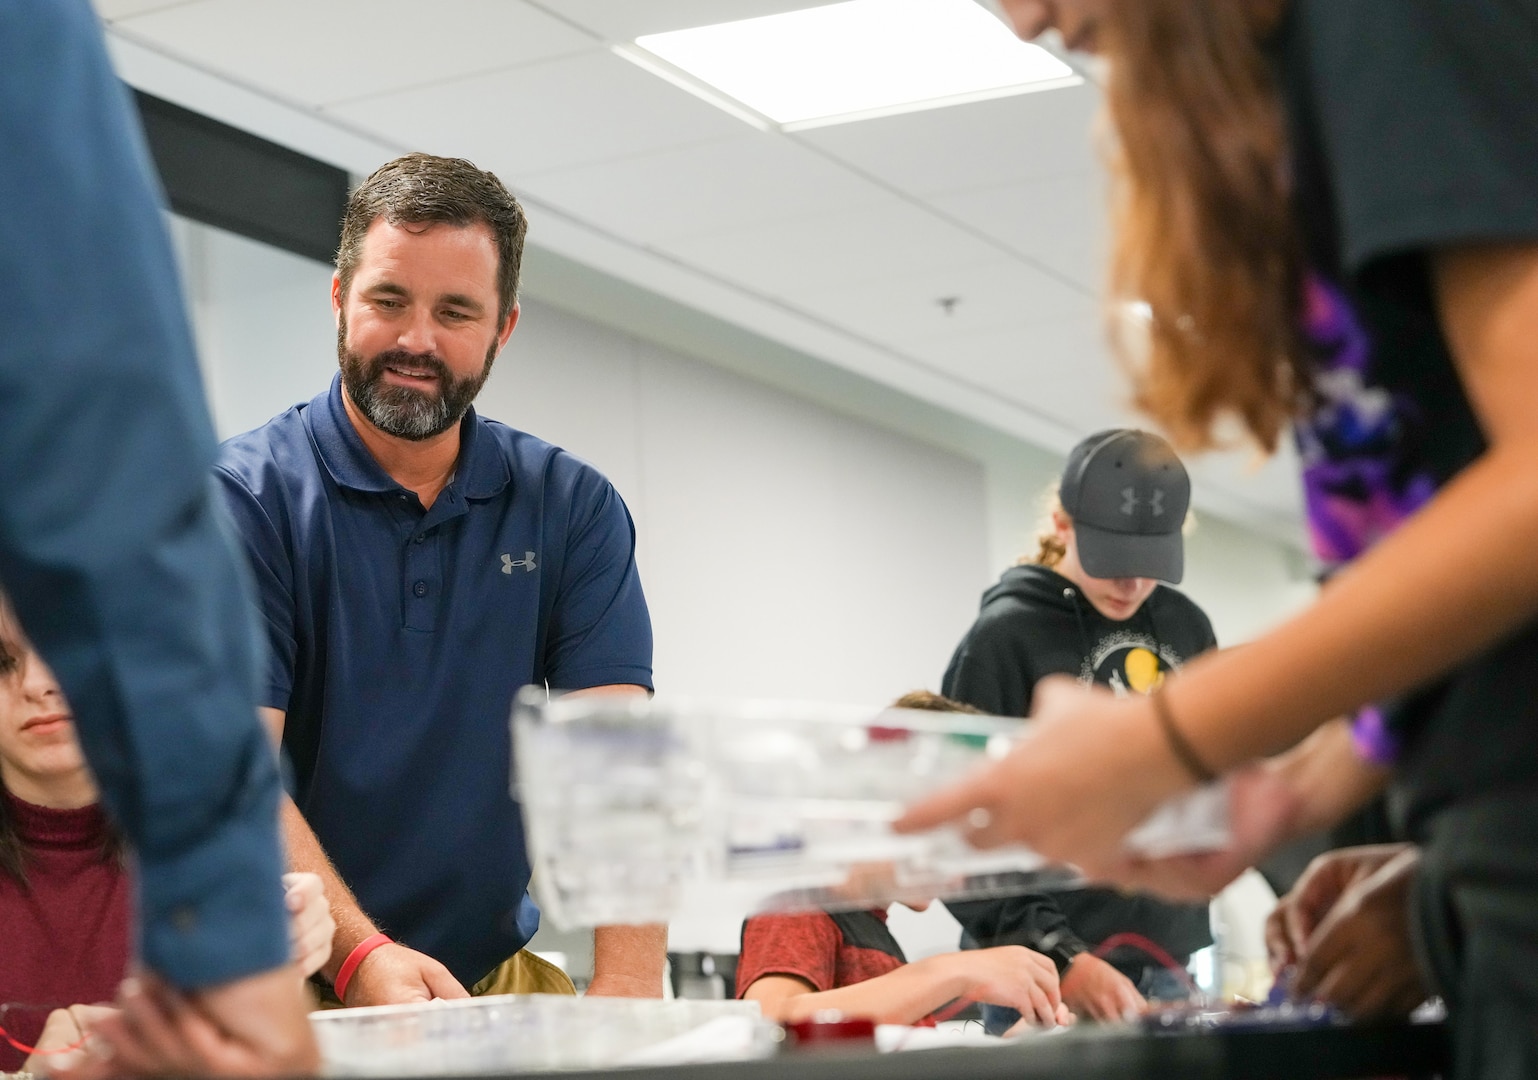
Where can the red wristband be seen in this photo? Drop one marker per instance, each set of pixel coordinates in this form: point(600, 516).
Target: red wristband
point(350, 965)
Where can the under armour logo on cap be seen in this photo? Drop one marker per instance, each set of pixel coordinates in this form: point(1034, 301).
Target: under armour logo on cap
point(527, 562)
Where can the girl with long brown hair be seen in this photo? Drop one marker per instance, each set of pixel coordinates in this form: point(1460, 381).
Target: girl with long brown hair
point(1331, 209)
point(65, 889)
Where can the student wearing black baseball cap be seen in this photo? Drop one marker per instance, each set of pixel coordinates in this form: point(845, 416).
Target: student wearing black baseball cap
point(1089, 603)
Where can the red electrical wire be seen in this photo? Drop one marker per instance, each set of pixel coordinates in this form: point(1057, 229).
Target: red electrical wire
point(1138, 941)
point(29, 1050)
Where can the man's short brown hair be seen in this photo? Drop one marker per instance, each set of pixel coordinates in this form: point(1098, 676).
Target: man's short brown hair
point(421, 188)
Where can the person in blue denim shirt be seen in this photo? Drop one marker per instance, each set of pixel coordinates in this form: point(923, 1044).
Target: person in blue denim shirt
point(112, 548)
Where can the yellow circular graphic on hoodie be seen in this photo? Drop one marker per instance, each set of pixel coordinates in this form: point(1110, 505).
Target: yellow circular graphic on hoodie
point(1142, 668)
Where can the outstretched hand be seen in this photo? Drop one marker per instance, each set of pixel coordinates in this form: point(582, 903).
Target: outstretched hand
point(1087, 750)
point(1262, 811)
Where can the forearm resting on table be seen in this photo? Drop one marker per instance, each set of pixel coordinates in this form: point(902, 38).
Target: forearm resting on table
point(629, 961)
point(305, 853)
point(903, 996)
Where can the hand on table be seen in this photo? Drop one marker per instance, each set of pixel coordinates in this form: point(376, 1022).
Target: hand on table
point(1094, 988)
point(394, 975)
point(1017, 978)
point(1357, 954)
point(1100, 755)
point(1298, 914)
point(310, 925)
point(65, 1038)
point(256, 1026)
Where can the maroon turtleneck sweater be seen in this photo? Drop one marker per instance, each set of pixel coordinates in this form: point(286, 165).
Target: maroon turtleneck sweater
point(64, 934)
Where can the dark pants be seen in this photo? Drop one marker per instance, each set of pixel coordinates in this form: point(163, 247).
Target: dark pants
point(1475, 912)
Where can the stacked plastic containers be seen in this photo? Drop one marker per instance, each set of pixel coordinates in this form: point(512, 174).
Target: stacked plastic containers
point(640, 810)
point(536, 1032)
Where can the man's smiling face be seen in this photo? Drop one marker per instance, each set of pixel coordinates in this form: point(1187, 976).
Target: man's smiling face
point(418, 329)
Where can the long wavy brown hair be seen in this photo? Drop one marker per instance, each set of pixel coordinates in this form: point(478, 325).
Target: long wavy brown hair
point(1203, 227)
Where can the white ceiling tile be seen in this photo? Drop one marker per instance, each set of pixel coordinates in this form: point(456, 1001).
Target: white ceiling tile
point(564, 113)
point(750, 180)
point(626, 20)
point(884, 238)
point(1060, 222)
point(1001, 294)
point(983, 144)
point(319, 51)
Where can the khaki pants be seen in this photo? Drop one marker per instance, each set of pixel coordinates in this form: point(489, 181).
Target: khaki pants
point(524, 973)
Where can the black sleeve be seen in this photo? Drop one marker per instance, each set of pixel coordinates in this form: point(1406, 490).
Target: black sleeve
point(989, 671)
point(1029, 919)
point(1427, 119)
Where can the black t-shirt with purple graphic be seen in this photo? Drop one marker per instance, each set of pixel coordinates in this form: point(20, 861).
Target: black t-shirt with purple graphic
point(1414, 128)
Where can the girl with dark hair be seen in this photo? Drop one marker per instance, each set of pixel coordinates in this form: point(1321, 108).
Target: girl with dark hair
point(65, 893)
point(1331, 208)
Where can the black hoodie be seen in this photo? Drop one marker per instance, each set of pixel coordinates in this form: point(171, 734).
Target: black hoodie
point(1035, 623)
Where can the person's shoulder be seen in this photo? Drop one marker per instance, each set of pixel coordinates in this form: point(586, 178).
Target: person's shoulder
point(532, 459)
point(251, 455)
point(1025, 592)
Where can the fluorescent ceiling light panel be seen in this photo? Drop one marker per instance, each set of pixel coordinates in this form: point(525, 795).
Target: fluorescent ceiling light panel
point(852, 61)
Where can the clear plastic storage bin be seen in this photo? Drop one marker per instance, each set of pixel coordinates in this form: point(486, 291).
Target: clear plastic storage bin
point(532, 1032)
point(640, 810)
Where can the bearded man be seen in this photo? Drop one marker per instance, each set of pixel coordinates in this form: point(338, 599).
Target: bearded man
point(416, 564)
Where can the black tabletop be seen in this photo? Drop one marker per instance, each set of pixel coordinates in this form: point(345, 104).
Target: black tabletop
point(1110, 1053)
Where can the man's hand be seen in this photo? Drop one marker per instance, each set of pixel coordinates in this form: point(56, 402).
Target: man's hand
point(256, 1026)
point(1017, 978)
point(1359, 958)
point(395, 975)
point(1093, 988)
point(310, 925)
point(1298, 914)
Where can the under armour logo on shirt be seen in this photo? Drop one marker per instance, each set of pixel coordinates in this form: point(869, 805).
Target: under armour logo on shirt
point(527, 562)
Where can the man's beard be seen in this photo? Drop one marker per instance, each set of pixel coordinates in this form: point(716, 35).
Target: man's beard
point(404, 411)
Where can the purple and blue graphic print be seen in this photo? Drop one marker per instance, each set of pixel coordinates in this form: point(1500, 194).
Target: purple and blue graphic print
point(1358, 483)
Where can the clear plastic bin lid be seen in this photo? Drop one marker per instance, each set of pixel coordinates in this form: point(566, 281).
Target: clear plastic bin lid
point(646, 810)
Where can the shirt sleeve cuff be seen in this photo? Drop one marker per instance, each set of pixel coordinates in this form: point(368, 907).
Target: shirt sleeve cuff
point(212, 911)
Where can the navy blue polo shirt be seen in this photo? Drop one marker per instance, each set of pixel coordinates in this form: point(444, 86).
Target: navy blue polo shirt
point(399, 637)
